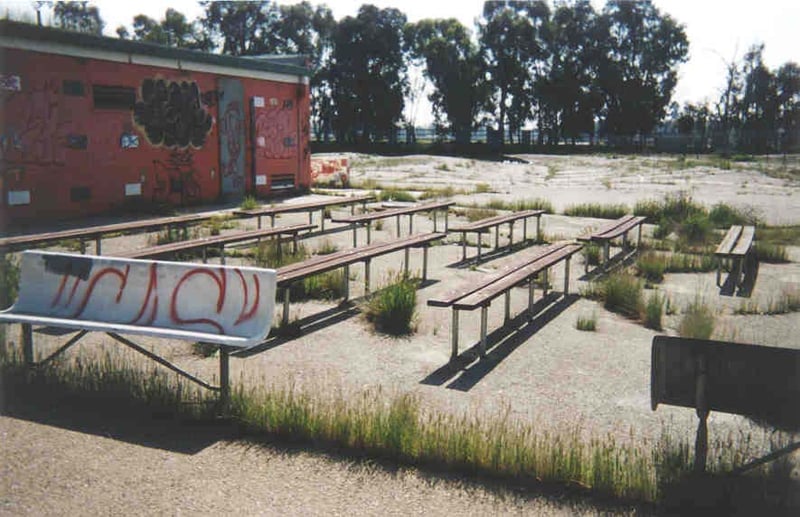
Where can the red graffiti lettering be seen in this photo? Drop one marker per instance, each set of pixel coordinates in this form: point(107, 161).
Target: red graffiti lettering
point(123, 277)
point(152, 291)
point(221, 284)
point(244, 316)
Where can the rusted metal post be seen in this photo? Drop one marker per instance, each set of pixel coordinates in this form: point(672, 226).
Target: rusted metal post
point(530, 298)
point(398, 226)
point(701, 408)
point(286, 302)
point(566, 276)
point(346, 282)
point(463, 245)
point(425, 263)
point(546, 281)
point(369, 232)
point(410, 224)
point(524, 229)
point(222, 252)
point(511, 234)
point(98, 246)
point(224, 380)
point(480, 245)
point(507, 315)
point(538, 229)
point(366, 276)
point(434, 219)
point(355, 235)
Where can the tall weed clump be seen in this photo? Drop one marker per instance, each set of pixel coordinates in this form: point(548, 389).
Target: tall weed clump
point(698, 320)
point(267, 254)
point(9, 281)
point(598, 210)
point(653, 311)
point(392, 309)
point(622, 293)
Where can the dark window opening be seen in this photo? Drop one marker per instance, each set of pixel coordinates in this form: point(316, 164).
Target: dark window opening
point(113, 97)
point(287, 104)
point(80, 194)
point(282, 181)
point(74, 88)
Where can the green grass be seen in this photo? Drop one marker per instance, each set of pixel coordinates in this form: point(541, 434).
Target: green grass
point(9, 281)
point(599, 210)
point(520, 204)
point(622, 293)
point(395, 194)
point(587, 323)
point(698, 320)
point(786, 235)
point(652, 265)
point(771, 253)
point(591, 254)
point(249, 203)
point(173, 234)
point(552, 170)
point(476, 214)
point(653, 311)
point(326, 248)
point(217, 223)
point(392, 309)
point(399, 427)
point(723, 215)
point(438, 192)
point(482, 188)
point(788, 301)
point(266, 255)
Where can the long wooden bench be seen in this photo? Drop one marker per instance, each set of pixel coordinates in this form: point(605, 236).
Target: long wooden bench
point(309, 206)
point(23, 242)
point(289, 274)
point(484, 225)
point(736, 247)
point(614, 230)
point(227, 306)
point(481, 293)
point(204, 243)
point(366, 219)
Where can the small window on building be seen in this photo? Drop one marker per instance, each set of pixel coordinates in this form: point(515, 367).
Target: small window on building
point(74, 88)
point(287, 104)
point(113, 97)
point(77, 194)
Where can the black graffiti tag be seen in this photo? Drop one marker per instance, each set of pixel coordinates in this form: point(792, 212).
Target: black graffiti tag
point(171, 114)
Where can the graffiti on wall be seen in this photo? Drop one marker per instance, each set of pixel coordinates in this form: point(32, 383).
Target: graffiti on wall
point(175, 177)
point(36, 128)
point(231, 127)
point(171, 114)
point(275, 133)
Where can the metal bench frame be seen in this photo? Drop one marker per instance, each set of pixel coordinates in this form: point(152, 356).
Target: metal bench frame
point(611, 231)
point(366, 219)
point(310, 207)
point(483, 225)
point(481, 294)
point(735, 248)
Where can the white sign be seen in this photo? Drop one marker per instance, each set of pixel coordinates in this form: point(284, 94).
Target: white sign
point(19, 197)
point(261, 179)
point(133, 189)
point(258, 102)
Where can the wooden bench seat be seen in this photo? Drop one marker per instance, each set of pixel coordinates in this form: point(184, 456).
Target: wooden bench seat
point(308, 206)
point(23, 242)
point(291, 273)
point(231, 307)
point(480, 294)
point(366, 219)
point(484, 225)
point(217, 240)
point(736, 247)
point(615, 229)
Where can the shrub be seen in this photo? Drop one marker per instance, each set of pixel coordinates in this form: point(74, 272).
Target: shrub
point(9, 281)
point(324, 286)
point(587, 323)
point(612, 211)
point(698, 321)
point(653, 311)
point(772, 253)
point(482, 188)
point(723, 215)
point(391, 310)
point(266, 255)
point(476, 214)
point(591, 254)
point(696, 229)
point(327, 247)
point(622, 293)
point(249, 203)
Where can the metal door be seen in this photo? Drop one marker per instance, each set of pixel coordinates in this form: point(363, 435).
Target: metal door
point(231, 137)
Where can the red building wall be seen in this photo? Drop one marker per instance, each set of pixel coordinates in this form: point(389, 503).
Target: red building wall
point(77, 155)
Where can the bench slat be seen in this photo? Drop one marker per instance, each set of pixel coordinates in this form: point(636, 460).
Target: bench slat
point(745, 241)
point(294, 272)
point(606, 228)
point(729, 241)
point(393, 212)
point(449, 298)
point(301, 207)
point(632, 222)
point(174, 247)
point(495, 289)
point(496, 220)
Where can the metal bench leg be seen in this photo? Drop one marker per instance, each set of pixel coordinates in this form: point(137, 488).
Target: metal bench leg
point(566, 276)
point(346, 282)
point(410, 224)
point(606, 252)
point(480, 245)
point(286, 302)
point(272, 220)
point(83, 247)
point(639, 240)
point(454, 335)
point(294, 242)
point(425, 263)
point(398, 226)
point(463, 245)
point(366, 276)
point(546, 281)
point(408, 253)
point(259, 222)
point(27, 343)
point(497, 236)
point(511, 234)
point(484, 318)
point(222, 252)
point(310, 217)
point(205, 255)
point(507, 315)
point(322, 220)
point(369, 232)
point(524, 229)
point(530, 298)
point(446, 219)
point(224, 380)
point(719, 272)
point(434, 220)
point(355, 237)
point(98, 246)
point(538, 229)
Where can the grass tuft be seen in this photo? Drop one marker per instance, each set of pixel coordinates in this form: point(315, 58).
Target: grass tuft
point(9, 281)
point(598, 210)
point(249, 203)
point(653, 311)
point(396, 194)
point(587, 323)
point(771, 253)
point(392, 309)
point(698, 320)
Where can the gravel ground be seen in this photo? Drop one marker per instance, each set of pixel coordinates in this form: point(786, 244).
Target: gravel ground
point(546, 372)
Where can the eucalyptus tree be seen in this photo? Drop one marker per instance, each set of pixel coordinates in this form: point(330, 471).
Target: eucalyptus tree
point(173, 30)
point(643, 48)
point(78, 17)
point(244, 28)
point(368, 75)
point(454, 66)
